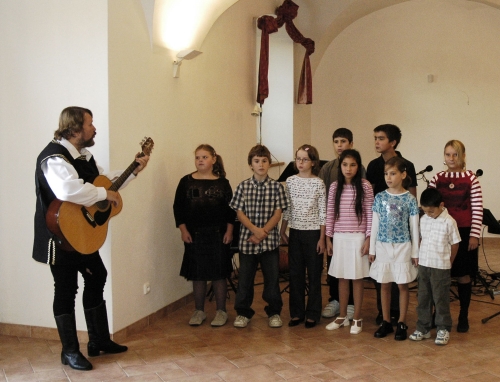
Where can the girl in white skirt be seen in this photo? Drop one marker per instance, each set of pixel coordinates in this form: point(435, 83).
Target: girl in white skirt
point(394, 243)
point(348, 222)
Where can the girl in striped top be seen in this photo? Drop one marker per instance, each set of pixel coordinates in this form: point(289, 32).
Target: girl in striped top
point(463, 198)
point(348, 222)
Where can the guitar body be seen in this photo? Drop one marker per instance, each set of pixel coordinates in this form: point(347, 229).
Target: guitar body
point(83, 229)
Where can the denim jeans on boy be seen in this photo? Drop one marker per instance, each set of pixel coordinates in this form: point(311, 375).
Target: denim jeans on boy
point(271, 294)
point(303, 255)
point(433, 286)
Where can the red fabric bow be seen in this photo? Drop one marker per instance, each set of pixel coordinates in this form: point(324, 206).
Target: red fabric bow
point(268, 24)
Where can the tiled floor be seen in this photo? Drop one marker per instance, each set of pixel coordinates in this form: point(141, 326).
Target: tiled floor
point(171, 350)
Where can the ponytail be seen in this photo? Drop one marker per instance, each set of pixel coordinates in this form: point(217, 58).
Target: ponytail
point(218, 168)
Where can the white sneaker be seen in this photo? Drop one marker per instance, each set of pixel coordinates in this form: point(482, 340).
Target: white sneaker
point(197, 318)
point(442, 338)
point(241, 321)
point(419, 336)
point(275, 321)
point(220, 318)
point(331, 309)
point(350, 312)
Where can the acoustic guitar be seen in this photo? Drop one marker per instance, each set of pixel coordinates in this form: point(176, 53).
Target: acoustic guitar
point(84, 229)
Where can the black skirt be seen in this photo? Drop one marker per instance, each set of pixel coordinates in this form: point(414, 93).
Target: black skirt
point(466, 262)
point(207, 258)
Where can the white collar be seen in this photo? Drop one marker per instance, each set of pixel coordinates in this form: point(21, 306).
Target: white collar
point(73, 151)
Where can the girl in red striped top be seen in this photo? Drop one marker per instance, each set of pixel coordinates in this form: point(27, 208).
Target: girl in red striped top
point(463, 198)
point(349, 221)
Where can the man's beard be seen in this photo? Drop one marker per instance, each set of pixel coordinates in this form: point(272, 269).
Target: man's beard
point(87, 143)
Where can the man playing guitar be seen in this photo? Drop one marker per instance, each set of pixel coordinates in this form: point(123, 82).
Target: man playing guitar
point(65, 170)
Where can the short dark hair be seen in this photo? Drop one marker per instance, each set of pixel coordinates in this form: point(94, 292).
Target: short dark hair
point(313, 155)
point(259, 151)
point(431, 197)
point(392, 131)
point(342, 132)
point(71, 122)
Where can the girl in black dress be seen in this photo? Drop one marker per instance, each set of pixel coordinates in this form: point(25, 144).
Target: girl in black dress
point(202, 213)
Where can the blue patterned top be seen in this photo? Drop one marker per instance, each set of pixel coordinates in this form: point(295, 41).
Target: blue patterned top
point(394, 212)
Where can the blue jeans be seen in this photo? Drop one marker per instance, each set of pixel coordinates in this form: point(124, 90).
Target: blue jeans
point(248, 267)
point(303, 256)
point(433, 286)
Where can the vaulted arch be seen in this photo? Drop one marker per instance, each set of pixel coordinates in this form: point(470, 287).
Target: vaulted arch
point(355, 11)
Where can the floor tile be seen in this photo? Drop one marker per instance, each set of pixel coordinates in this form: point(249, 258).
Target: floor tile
point(171, 350)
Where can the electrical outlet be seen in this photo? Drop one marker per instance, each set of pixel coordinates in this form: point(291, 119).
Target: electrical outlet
point(146, 288)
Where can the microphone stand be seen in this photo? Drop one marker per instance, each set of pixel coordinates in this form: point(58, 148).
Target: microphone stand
point(422, 177)
point(425, 179)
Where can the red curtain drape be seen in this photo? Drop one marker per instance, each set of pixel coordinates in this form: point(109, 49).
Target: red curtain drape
point(268, 24)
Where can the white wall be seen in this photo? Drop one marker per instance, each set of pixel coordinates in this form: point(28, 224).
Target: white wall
point(376, 71)
point(57, 53)
point(277, 110)
point(53, 54)
point(210, 102)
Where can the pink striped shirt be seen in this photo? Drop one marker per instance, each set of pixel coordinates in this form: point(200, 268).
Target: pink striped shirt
point(348, 221)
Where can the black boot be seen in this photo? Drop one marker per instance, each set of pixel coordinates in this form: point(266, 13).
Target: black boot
point(464, 295)
point(70, 354)
point(97, 326)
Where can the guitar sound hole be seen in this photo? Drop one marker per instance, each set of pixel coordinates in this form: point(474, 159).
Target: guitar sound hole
point(102, 205)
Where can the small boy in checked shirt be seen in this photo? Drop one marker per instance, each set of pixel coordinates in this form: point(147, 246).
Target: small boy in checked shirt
point(259, 202)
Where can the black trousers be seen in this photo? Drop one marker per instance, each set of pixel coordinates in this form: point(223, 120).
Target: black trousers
point(65, 276)
point(305, 262)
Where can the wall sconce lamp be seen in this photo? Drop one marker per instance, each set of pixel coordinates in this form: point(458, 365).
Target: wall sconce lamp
point(187, 54)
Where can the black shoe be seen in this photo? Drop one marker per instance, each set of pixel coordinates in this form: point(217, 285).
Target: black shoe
point(310, 324)
point(379, 318)
point(463, 325)
point(70, 354)
point(401, 334)
point(384, 330)
point(98, 329)
point(295, 322)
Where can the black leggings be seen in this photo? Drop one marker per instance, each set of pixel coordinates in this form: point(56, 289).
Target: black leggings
point(66, 283)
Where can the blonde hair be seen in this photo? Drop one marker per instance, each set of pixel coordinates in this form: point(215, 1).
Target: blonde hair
point(460, 149)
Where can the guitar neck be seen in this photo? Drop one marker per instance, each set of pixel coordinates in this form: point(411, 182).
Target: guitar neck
point(124, 176)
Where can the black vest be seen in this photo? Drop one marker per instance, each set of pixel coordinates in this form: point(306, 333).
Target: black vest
point(44, 249)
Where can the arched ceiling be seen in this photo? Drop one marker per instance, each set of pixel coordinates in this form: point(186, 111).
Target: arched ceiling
point(324, 20)
point(320, 20)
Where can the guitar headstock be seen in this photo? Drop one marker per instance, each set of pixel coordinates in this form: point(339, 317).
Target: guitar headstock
point(147, 145)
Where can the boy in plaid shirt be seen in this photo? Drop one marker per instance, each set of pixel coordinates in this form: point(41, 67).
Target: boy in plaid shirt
point(259, 202)
point(438, 248)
